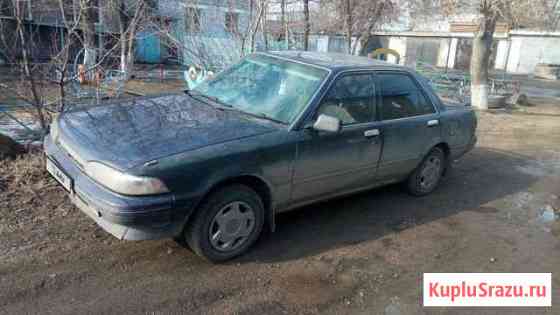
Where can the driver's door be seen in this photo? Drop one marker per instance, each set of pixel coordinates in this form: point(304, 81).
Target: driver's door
point(329, 164)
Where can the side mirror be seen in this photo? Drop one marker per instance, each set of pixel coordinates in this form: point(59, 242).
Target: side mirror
point(327, 123)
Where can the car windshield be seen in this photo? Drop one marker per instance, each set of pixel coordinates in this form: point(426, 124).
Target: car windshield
point(265, 86)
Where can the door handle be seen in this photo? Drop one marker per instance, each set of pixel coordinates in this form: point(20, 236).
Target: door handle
point(432, 123)
point(371, 133)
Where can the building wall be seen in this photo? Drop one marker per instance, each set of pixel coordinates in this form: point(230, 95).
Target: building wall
point(148, 47)
point(447, 52)
point(520, 52)
point(528, 51)
point(503, 49)
point(213, 46)
point(399, 45)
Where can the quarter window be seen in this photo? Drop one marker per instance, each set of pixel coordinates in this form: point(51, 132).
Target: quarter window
point(351, 99)
point(401, 97)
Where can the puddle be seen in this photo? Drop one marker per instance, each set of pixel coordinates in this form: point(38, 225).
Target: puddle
point(540, 168)
point(547, 215)
point(546, 167)
point(539, 92)
point(394, 308)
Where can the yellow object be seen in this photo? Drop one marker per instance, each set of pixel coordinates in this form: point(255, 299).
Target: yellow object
point(384, 51)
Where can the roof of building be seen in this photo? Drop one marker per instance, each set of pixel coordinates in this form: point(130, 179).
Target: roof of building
point(333, 61)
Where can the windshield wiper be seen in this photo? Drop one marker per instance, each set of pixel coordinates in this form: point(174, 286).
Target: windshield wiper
point(268, 117)
point(230, 107)
point(208, 97)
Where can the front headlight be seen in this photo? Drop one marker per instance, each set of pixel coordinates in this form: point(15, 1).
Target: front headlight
point(122, 183)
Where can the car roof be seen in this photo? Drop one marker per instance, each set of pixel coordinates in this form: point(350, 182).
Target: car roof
point(336, 61)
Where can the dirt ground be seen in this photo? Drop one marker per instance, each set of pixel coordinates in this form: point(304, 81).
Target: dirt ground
point(363, 254)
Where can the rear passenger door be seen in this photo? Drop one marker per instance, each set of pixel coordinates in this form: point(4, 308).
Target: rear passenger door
point(409, 124)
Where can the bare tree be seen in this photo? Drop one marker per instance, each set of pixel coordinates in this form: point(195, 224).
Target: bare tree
point(482, 49)
point(349, 20)
point(90, 16)
point(516, 14)
point(52, 84)
point(261, 17)
point(203, 49)
point(128, 27)
point(119, 6)
point(307, 25)
point(554, 16)
point(249, 33)
point(368, 15)
point(356, 18)
point(264, 28)
point(284, 23)
point(25, 45)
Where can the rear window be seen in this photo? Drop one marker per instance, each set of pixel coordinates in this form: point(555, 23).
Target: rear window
point(401, 97)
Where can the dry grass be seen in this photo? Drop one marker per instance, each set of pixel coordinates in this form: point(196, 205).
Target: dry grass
point(145, 87)
point(32, 204)
point(26, 174)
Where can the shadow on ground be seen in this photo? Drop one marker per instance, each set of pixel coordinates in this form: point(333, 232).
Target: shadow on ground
point(483, 176)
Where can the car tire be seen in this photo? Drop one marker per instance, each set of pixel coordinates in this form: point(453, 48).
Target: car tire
point(226, 224)
point(426, 177)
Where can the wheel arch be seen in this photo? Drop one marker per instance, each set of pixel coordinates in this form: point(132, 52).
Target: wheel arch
point(445, 147)
point(256, 183)
point(447, 154)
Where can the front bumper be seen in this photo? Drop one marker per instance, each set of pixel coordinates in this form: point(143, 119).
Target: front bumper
point(125, 217)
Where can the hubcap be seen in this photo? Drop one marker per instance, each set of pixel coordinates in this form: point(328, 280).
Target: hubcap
point(430, 173)
point(232, 226)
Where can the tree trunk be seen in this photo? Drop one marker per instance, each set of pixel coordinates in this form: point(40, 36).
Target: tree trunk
point(307, 26)
point(555, 16)
point(123, 22)
point(26, 56)
point(130, 53)
point(89, 12)
point(131, 32)
point(246, 36)
point(284, 23)
point(255, 27)
point(355, 44)
point(480, 61)
point(365, 43)
point(374, 15)
point(264, 28)
point(348, 9)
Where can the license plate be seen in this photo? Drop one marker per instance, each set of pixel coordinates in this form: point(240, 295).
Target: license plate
point(59, 175)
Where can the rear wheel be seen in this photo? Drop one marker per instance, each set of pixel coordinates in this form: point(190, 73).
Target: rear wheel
point(226, 224)
point(427, 175)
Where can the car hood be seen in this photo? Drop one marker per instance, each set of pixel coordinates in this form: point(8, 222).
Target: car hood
point(136, 131)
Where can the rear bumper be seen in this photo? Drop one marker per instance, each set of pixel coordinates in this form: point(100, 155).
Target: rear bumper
point(125, 217)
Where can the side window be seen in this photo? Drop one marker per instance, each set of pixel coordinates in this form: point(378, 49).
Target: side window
point(401, 97)
point(351, 99)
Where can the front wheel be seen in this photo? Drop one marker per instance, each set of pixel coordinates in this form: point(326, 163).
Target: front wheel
point(427, 175)
point(226, 224)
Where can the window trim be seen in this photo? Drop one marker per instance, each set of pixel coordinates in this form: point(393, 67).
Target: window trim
point(300, 119)
point(415, 82)
point(341, 74)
